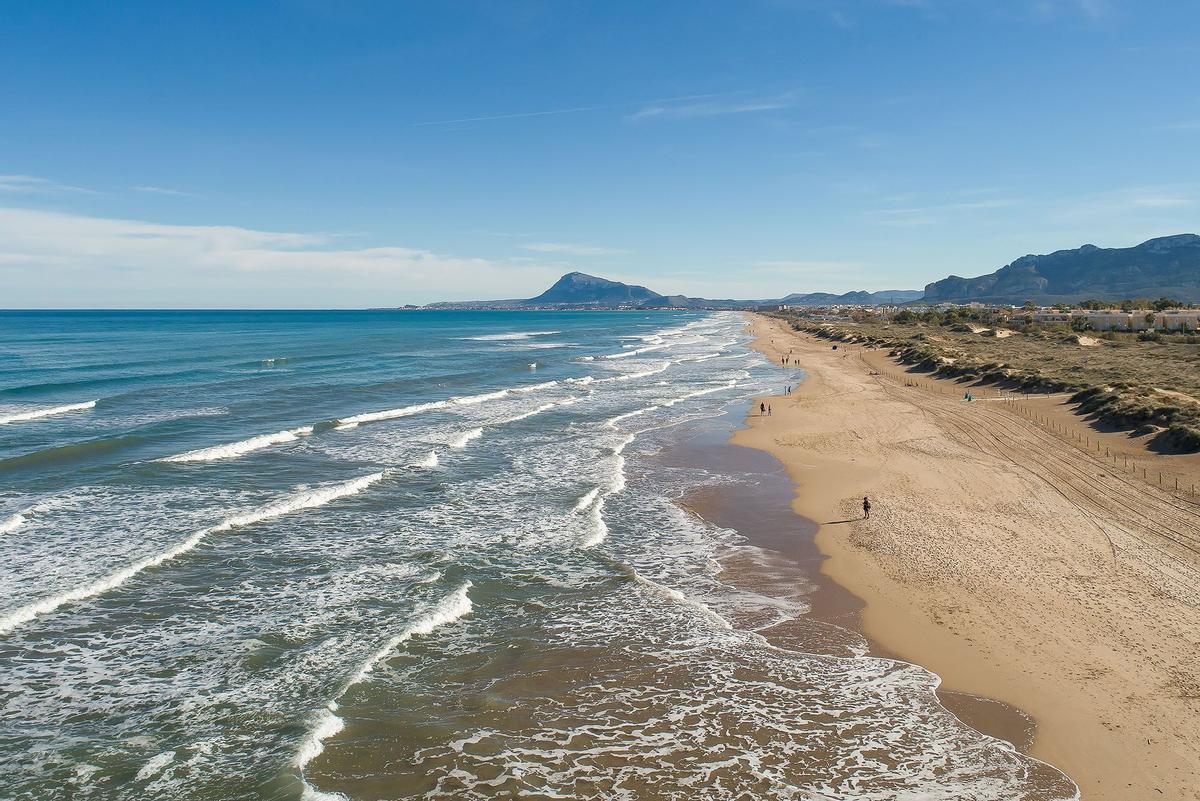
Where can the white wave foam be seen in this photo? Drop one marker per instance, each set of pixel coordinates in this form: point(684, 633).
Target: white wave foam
point(310, 793)
point(543, 408)
point(34, 414)
point(325, 726)
point(13, 523)
point(513, 336)
point(389, 414)
point(405, 411)
point(461, 440)
point(586, 500)
point(304, 500)
point(700, 392)
point(327, 723)
point(612, 421)
point(631, 376)
point(618, 482)
point(599, 528)
point(154, 766)
point(474, 400)
point(429, 462)
point(675, 596)
point(235, 449)
point(634, 352)
point(536, 387)
point(392, 570)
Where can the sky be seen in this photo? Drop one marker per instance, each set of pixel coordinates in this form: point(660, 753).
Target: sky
point(361, 153)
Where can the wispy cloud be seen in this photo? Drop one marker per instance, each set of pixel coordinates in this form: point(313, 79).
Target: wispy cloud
point(554, 112)
point(517, 116)
point(909, 216)
point(1128, 201)
point(33, 185)
point(122, 262)
point(712, 108)
point(1160, 201)
point(569, 248)
point(1093, 10)
point(161, 190)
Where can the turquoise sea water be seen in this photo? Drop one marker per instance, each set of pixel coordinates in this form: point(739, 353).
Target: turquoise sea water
point(400, 555)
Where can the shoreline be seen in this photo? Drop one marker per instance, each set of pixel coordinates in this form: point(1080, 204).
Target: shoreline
point(980, 567)
point(762, 512)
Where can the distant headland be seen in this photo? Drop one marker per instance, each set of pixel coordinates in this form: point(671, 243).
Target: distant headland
point(1164, 267)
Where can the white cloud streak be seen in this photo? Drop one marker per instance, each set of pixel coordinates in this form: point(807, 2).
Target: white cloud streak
point(161, 190)
point(32, 185)
point(569, 248)
point(710, 108)
point(55, 259)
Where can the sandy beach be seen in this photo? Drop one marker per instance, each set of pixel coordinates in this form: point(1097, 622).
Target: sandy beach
point(1013, 564)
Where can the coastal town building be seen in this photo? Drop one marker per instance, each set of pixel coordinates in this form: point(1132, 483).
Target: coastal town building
point(1179, 320)
point(1046, 316)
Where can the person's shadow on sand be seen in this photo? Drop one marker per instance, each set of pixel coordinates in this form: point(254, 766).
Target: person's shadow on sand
point(847, 520)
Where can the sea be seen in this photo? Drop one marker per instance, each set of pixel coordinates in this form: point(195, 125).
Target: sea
point(390, 555)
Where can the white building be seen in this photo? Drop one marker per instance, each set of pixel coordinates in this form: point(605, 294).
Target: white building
point(1178, 320)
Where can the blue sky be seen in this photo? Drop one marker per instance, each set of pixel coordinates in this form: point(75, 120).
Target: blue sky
point(304, 153)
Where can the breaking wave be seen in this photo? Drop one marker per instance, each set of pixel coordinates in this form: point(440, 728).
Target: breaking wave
point(12, 523)
point(429, 462)
point(303, 500)
point(34, 414)
point(327, 723)
point(513, 336)
point(235, 449)
point(462, 400)
point(462, 439)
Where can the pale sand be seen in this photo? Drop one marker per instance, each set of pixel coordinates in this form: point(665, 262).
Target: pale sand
point(1010, 563)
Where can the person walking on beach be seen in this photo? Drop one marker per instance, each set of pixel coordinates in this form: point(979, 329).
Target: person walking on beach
point(768, 411)
point(762, 409)
point(866, 508)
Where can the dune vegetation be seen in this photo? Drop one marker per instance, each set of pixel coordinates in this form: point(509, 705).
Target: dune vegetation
point(1147, 384)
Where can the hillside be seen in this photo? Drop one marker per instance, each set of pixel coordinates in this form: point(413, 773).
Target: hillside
point(580, 289)
point(886, 296)
point(583, 291)
point(1168, 266)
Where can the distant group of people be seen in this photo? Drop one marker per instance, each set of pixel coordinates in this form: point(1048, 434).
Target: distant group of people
point(967, 396)
point(764, 409)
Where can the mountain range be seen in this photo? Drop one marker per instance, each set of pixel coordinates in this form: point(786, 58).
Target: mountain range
point(1165, 267)
point(582, 291)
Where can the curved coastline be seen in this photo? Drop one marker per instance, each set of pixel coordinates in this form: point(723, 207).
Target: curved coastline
point(973, 571)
